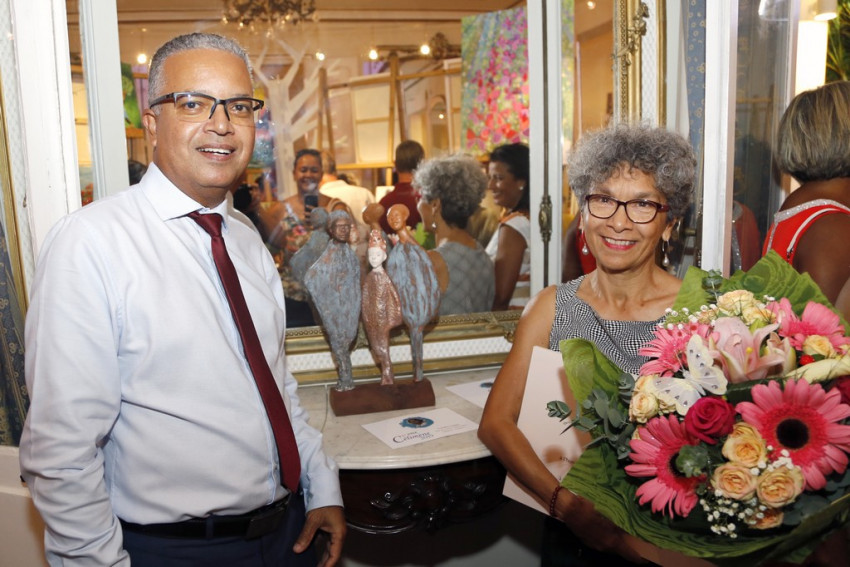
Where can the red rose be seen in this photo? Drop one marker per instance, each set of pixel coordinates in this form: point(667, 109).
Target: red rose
point(843, 385)
point(806, 359)
point(710, 419)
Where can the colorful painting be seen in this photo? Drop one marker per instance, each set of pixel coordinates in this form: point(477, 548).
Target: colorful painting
point(132, 114)
point(494, 104)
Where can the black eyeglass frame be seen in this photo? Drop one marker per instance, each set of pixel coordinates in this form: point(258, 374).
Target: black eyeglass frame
point(172, 97)
point(659, 208)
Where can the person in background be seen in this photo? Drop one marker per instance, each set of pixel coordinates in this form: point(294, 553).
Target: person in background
point(508, 247)
point(288, 230)
point(451, 188)
point(812, 227)
point(355, 197)
point(576, 259)
point(246, 200)
point(633, 183)
point(408, 155)
point(147, 439)
point(136, 170)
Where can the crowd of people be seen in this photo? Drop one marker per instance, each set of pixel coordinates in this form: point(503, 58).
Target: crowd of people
point(164, 426)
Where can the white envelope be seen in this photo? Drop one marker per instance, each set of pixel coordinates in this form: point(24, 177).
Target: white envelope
point(546, 382)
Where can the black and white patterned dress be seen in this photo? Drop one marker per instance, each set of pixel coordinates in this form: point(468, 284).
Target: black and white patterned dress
point(619, 341)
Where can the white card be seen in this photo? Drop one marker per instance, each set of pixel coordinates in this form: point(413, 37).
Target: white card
point(473, 392)
point(418, 427)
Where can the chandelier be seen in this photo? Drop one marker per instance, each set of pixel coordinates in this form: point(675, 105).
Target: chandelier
point(268, 12)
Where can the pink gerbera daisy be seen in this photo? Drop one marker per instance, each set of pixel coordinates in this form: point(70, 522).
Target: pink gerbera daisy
point(669, 347)
point(803, 419)
point(653, 455)
point(817, 319)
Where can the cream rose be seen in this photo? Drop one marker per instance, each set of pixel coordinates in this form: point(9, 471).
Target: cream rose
point(734, 481)
point(745, 446)
point(780, 487)
point(766, 520)
point(644, 406)
point(755, 314)
point(735, 302)
point(818, 344)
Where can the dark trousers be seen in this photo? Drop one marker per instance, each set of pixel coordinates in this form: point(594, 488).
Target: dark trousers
point(274, 549)
point(561, 548)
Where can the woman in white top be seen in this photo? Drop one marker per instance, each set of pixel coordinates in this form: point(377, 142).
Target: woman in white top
point(509, 248)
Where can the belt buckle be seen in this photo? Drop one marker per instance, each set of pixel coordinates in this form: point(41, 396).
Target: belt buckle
point(267, 521)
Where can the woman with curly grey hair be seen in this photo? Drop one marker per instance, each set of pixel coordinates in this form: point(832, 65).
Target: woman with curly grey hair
point(633, 182)
point(451, 190)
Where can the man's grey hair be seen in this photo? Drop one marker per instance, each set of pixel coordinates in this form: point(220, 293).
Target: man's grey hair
point(188, 42)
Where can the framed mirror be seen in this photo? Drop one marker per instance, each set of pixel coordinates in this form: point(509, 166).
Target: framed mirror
point(464, 340)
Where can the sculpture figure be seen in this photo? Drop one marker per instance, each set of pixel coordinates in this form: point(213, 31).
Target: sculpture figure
point(412, 272)
point(334, 285)
point(381, 306)
point(310, 252)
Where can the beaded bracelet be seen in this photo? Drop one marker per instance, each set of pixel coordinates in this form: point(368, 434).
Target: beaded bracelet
point(553, 500)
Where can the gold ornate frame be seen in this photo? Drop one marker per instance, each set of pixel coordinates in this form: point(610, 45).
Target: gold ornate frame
point(629, 28)
point(472, 326)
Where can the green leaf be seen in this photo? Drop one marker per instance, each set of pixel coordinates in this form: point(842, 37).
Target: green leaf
point(775, 277)
point(558, 409)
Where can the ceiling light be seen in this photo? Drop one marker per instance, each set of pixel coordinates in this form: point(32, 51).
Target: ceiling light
point(373, 54)
point(591, 5)
point(425, 49)
point(320, 55)
point(142, 58)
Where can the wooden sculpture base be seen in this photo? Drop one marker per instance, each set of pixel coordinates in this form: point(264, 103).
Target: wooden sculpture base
point(371, 398)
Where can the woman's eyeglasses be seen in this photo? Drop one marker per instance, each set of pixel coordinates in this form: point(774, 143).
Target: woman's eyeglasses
point(638, 211)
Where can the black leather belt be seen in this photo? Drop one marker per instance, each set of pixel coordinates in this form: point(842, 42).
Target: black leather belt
point(254, 524)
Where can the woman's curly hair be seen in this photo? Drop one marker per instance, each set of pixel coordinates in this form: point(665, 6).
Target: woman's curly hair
point(457, 181)
point(665, 156)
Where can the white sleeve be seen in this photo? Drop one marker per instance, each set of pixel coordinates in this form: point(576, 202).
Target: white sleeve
point(73, 380)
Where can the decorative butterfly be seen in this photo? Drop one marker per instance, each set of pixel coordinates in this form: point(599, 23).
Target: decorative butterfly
point(700, 376)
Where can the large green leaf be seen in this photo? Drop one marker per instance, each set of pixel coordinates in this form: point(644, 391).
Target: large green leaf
point(771, 276)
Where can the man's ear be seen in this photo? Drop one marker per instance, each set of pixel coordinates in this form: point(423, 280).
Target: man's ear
point(149, 123)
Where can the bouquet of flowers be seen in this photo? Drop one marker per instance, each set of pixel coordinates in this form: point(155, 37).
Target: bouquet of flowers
point(732, 443)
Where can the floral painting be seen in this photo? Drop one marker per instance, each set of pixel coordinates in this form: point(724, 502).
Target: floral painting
point(494, 105)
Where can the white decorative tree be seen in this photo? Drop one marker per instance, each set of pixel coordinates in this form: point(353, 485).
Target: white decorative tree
point(293, 116)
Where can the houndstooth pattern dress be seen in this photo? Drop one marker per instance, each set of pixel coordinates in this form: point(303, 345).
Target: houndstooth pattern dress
point(619, 341)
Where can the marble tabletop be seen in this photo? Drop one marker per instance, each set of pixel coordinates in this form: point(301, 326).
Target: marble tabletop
point(353, 447)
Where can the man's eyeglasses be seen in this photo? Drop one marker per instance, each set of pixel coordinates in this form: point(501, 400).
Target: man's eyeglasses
point(199, 107)
point(639, 211)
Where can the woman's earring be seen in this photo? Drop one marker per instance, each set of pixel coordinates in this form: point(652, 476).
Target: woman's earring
point(665, 260)
point(584, 249)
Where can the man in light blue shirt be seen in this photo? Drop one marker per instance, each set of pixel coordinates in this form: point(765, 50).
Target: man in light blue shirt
point(147, 437)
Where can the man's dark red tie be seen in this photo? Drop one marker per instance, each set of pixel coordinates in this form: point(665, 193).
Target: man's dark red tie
point(287, 449)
